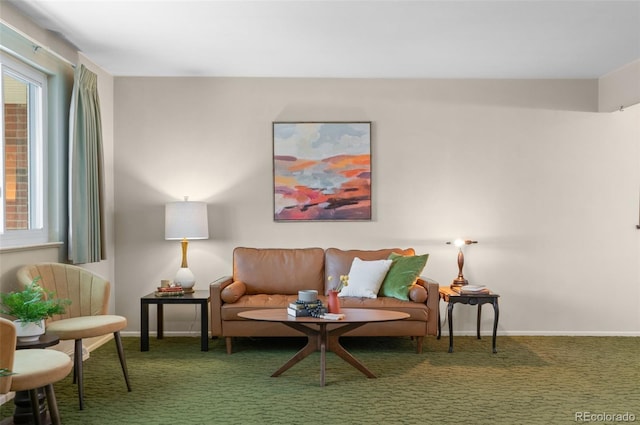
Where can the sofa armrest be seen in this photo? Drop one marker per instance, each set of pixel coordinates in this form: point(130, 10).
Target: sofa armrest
point(215, 291)
point(433, 303)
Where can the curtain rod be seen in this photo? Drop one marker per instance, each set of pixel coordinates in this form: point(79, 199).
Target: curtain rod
point(36, 45)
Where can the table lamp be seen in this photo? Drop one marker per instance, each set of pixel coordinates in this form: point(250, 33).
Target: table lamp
point(184, 221)
point(460, 280)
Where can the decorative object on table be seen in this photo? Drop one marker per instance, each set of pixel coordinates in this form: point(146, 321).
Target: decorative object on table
point(322, 171)
point(169, 291)
point(306, 309)
point(459, 243)
point(31, 307)
point(333, 302)
point(185, 221)
point(308, 296)
point(471, 289)
point(333, 316)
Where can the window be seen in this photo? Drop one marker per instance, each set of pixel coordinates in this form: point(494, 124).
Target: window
point(22, 167)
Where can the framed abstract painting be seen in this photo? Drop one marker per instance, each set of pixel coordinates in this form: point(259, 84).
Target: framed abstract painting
point(322, 171)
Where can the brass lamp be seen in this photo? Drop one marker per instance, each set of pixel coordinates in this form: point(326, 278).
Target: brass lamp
point(460, 280)
point(183, 221)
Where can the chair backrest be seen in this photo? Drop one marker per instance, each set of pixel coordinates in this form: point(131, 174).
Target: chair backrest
point(7, 351)
point(88, 292)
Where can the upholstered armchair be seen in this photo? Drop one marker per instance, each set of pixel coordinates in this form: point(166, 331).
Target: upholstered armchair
point(86, 317)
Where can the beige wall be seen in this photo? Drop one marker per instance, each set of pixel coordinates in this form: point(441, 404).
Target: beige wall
point(548, 186)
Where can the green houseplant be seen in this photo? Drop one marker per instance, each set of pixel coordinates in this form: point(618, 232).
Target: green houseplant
point(32, 305)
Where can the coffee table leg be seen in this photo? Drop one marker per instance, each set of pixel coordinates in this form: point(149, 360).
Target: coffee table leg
point(335, 346)
point(311, 347)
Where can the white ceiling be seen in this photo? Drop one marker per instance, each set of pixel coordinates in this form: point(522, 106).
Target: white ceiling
point(348, 39)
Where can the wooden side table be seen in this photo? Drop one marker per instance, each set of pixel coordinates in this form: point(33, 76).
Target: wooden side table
point(451, 297)
point(197, 297)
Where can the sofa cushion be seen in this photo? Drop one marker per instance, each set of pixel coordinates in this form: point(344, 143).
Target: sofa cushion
point(279, 271)
point(403, 273)
point(338, 262)
point(231, 293)
point(255, 302)
point(416, 311)
point(365, 278)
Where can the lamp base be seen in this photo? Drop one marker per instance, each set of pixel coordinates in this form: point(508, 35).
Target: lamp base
point(458, 282)
point(186, 279)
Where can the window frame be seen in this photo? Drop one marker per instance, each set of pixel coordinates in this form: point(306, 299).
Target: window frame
point(38, 128)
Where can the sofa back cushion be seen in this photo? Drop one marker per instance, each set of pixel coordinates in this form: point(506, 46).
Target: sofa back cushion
point(279, 271)
point(338, 262)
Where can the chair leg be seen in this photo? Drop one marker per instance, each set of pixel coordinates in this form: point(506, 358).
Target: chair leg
point(35, 405)
point(123, 361)
point(54, 414)
point(77, 371)
point(227, 341)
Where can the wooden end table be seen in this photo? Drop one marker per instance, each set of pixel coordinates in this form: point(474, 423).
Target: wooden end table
point(196, 297)
point(452, 297)
point(325, 337)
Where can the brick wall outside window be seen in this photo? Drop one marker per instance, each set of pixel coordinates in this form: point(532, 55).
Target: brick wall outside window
point(16, 167)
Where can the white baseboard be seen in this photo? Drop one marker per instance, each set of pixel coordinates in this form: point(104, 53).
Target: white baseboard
point(545, 333)
point(152, 334)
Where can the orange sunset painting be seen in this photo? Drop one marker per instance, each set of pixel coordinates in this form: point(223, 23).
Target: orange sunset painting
point(322, 171)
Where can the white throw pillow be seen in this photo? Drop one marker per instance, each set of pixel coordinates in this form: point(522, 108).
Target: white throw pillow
point(365, 278)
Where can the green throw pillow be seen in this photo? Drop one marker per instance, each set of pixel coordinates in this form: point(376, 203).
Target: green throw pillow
point(403, 273)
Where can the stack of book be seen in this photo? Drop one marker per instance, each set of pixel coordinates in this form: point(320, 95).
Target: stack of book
point(306, 309)
point(170, 291)
point(472, 289)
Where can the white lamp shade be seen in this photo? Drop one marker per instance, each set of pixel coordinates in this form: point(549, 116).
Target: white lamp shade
point(186, 220)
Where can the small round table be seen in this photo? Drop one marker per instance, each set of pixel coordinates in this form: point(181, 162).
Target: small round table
point(22, 413)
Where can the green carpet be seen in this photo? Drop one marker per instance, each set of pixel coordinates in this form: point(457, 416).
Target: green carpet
point(531, 380)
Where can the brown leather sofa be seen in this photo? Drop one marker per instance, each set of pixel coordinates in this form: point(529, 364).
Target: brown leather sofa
point(271, 278)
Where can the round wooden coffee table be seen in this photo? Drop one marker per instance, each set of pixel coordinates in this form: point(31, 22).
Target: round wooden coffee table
point(326, 336)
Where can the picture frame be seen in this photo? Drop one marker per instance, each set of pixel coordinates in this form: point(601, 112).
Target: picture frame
point(322, 171)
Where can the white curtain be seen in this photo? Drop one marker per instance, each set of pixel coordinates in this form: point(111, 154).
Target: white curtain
point(86, 180)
